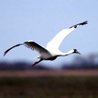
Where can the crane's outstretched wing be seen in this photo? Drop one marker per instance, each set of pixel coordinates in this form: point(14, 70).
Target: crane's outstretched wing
point(30, 44)
point(56, 41)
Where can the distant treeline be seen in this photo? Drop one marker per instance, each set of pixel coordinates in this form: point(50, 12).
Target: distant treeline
point(89, 62)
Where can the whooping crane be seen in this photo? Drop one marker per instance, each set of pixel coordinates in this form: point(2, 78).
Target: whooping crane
point(51, 52)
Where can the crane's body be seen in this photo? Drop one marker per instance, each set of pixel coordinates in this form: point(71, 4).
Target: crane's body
point(51, 52)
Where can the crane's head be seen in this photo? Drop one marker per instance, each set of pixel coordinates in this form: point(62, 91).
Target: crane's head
point(76, 51)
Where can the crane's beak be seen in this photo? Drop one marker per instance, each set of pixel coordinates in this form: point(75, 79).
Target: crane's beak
point(78, 52)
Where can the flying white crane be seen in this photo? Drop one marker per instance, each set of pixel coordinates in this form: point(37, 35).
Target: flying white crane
point(51, 51)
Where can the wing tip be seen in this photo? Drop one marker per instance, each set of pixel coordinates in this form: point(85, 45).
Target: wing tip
point(11, 48)
point(5, 52)
point(82, 23)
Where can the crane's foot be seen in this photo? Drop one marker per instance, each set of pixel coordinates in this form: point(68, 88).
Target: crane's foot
point(34, 63)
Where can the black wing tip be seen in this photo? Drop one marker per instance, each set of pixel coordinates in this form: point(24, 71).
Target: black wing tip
point(11, 48)
point(82, 23)
point(5, 52)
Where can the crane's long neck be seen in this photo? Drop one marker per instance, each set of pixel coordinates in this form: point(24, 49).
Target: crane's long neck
point(67, 53)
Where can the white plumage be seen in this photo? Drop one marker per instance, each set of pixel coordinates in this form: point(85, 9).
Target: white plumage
point(51, 51)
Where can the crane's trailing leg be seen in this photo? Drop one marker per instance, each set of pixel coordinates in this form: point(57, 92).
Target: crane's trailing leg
point(37, 62)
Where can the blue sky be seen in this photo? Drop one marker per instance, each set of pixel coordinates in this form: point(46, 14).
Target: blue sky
point(41, 20)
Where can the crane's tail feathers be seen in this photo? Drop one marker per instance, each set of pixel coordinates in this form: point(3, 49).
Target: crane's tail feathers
point(12, 48)
point(82, 23)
